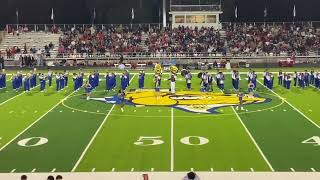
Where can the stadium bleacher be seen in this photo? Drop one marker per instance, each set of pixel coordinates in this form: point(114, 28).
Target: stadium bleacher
point(231, 40)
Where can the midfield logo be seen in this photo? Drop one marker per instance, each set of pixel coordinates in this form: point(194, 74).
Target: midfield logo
point(190, 101)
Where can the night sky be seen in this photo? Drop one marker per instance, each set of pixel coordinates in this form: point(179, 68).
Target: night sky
point(146, 11)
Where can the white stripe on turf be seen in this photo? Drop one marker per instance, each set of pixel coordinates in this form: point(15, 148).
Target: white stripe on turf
point(291, 106)
point(36, 121)
point(92, 139)
point(16, 96)
point(172, 144)
point(95, 135)
point(253, 140)
point(12, 98)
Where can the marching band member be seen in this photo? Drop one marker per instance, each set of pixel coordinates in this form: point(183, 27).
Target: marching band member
point(240, 97)
point(204, 81)
point(307, 78)
point(280, 78)
point(295, 78)
point(42, 79)
point(157, 81)
point(88, 89)
point(287, 80)
point(108, 81)
point(26, 82)
point(251, 88)
point(141, 79)
point(312, 77)
point(188, 78)
point(235, 79)
point(58, 87)
point(49, 78)
point(173, 83)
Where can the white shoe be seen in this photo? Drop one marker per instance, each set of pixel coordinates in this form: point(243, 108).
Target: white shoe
point(237, 108)
point(242, 108)
point(122, 110)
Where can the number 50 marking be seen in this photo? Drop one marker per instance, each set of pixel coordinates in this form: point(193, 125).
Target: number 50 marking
point(156, 140)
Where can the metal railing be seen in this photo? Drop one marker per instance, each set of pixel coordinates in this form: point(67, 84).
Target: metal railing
point(195, 7)
point(148, 55)
point(142, 26)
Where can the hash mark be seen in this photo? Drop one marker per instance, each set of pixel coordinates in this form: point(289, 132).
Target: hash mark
point(292, 169)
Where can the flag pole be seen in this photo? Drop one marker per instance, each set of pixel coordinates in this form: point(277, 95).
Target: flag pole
point(17, 18)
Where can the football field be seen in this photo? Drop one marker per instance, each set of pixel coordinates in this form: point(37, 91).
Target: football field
point(278, 130)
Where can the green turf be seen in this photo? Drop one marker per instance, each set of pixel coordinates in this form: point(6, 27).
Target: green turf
point(277, 129)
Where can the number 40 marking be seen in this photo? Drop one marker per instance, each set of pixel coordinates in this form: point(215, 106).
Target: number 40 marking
point(315, 140)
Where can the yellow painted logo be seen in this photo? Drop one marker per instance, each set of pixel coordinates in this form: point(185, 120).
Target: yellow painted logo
point(192, 101)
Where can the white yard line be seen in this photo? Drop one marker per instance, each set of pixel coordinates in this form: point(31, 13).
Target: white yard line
point(291, 105)
point(35, 122)
point(95, 135)
point(92, 139)
point(17, 96)
point(12, 98)
point(254, 141)
point(172, 143)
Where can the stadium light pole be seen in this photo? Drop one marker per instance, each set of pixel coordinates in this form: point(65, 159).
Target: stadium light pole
point(164, 13)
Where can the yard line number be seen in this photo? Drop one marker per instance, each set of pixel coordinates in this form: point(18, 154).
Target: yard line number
point(33, 141)
point(315, 140)
point(156, 140)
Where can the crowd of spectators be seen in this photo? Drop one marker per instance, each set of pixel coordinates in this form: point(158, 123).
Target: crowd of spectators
point(11, 52)
point(93, 40)
point(240, 39)
point(247, 40)
point(185, 40)
point(272, 39)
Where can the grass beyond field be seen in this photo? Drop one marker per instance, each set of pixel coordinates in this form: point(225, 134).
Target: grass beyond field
point(45, 132)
